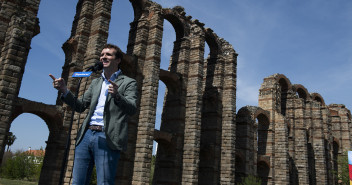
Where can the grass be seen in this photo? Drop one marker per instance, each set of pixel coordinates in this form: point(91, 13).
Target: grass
point(16, 182)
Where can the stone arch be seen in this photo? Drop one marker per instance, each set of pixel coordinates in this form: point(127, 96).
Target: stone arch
point(51, 114)
point(317, 97)
point(244, 111)
point(262, 131)
point(168, 165)
point(171, 80)
point(18, 25)
point(176, 17)
point(252, 138)
point(285, 86)
point(56, 143)
point(283, 81)
point(138, 7)
point(274, 93)
point(212, 106)
point(211, 39)
point(336, 142)
point(301, 91)
point(213, 64)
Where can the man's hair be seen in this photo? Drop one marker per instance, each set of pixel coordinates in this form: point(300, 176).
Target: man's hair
point(118, 53)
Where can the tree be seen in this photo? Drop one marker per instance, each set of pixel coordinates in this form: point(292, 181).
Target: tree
point(343, 172)
point(10, 140)
point(22, 166)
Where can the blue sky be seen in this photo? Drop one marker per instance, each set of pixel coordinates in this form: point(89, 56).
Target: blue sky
point(308, 41)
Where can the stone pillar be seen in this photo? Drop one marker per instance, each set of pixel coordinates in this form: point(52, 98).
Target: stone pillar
point(328, 143)
point(290, 118)
point(318, 144)
point(146, 123)
point(244, 143)
point(210, 140)
point(168, 165)
point(336, 125)
point(345, 131)
point(280, 160)
point(89, 34)
point(193, 108)
point(21, 25)
point(308, 118)
point(227, 163)
point(301, 156)
point(268, 94)
point(137, 45)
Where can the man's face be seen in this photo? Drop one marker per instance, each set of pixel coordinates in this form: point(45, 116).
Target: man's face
point(108, 58)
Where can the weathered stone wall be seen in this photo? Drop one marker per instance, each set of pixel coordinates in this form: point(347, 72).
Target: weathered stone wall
point(18, 25)
point(306, 135)
point(292, 137)
point(190, 81)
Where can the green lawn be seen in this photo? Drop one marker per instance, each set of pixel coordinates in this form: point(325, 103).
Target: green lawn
point(16, 182)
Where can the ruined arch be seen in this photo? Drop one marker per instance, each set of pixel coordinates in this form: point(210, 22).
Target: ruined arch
point(301, 91)
point(171, 80)
point(168, 166)
point(262, 131)
point(56, 143)
point(317, 97)
point(211, 39)
point(252, 138)
point(180, 25)
point(51, 114)
point(283, 81)
point(285, 86)
point(336, 145)
point(176, 17)
point(138, 7)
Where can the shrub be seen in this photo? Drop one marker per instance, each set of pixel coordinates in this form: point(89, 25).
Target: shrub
point(343, 173)
point(22, 166)
point(93, 178)
point(251, 180)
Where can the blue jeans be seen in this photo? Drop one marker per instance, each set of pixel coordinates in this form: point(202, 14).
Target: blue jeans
point(94, 149)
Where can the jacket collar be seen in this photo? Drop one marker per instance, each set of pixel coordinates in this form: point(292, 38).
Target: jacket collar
point(113, 76)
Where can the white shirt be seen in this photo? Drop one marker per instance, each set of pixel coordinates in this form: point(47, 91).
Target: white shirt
point(98, 115)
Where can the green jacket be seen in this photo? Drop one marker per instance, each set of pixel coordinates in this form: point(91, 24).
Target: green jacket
point(116, 112)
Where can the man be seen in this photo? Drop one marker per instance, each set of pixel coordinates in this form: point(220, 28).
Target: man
point(111, 99)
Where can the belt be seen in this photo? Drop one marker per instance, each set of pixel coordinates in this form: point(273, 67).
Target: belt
point(97, 128)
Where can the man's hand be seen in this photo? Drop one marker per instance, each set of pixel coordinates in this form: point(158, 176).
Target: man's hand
point(59, 84)
point(113, 89)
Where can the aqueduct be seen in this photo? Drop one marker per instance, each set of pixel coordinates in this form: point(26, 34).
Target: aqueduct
point(291, 137)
